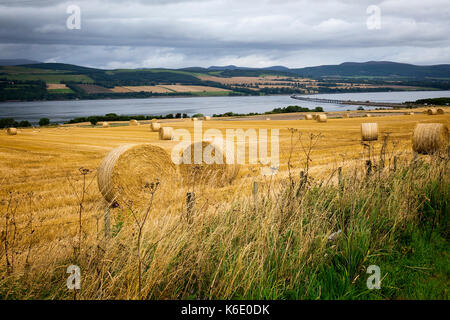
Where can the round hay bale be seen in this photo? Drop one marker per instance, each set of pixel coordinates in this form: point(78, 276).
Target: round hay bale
point(166, 133)
point(408, 113)
point(367, 115)
point(440, 111)
point(105, 125)
point(315, 116)
point(429, 138)
point(208, 171)
point(155, 126)
point(207, 118)
point(345, 115)
point(11, 131)
point(267, 119)
point(127, 171)
point(432, 112)
point(308, 117)
point(321, 118)
point(134, 122)
point(154, 120)
point(369, 131)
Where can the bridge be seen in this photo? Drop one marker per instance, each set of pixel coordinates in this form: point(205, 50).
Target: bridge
point(350, 102)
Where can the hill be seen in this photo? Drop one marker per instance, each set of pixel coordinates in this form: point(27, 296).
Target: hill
point(59, 81)
point(376, 69)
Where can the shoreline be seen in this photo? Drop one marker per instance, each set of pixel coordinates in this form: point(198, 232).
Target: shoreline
point(212, 96)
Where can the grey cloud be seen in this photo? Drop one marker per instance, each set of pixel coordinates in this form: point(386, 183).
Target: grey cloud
point(181, 33)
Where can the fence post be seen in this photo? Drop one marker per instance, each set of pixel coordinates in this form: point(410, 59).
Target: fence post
point(340, 177)
point(190, 202)
point(255, 190)
point(369, 167)
point(395, 163)
point(107, 218)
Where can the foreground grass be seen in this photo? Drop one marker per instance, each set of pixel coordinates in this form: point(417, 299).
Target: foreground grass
point(275, 246)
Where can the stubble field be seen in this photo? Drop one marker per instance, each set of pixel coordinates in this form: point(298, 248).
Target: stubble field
point(44, 166)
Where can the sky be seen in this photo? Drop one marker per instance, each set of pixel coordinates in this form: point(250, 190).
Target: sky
point(249, 33)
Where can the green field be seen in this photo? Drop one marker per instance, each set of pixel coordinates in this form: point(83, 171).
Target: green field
point(60, 91)
point(51, 78)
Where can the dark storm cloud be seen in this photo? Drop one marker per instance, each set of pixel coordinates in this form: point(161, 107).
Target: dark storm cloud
point(213, 32)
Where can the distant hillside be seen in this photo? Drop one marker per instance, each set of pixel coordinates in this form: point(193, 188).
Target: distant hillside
point(53, 81)
point(384, 69)
point(375, 69)
point(16, 62)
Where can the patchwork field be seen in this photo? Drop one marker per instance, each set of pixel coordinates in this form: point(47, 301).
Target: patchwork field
point(168, 88)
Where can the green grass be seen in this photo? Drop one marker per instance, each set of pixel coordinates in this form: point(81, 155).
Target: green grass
point(211, 94)
point(60, 90)
point(51, 78)
point(278, 246)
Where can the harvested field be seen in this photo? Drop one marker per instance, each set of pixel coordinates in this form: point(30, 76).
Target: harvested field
point(56, 86)
point(91, 88)
point(54, 163)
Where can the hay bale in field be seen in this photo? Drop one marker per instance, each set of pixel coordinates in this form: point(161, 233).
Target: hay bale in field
point(308, 117)
point(11, 131)
point(154, 120)
point(322, 118)
point(155, 126)
point(165, 133)
point(134, 122)
point(432, 112)
point(207, 118)
point(127, 171)
point(345, 115)
point(267, 119)
point(315, 116)
point(194, 119)
point(213, 168)
point(440, 111)
point(369, 131)
point(429, 138)
point(367, 115)
point(105, 125)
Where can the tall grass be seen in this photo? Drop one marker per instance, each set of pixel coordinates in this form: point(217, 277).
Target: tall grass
point(294, 241)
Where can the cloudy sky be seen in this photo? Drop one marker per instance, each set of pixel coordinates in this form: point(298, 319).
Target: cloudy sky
point(252, 33)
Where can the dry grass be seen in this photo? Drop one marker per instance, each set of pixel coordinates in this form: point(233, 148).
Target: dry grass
point(54, 86)
point(48, 167)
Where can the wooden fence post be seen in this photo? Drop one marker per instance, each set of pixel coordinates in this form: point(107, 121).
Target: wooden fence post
point(107, 221)
point(190, 202)
point(395, 163)
point(255, 190)
point(368, 167)
point(341, 185)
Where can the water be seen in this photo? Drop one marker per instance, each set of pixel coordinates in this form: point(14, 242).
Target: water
point(62, 111)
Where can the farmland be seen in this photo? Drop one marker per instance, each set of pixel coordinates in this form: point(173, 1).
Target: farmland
point(229, 228)
point(90, 83)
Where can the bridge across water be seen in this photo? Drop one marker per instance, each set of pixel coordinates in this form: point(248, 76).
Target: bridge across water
point(350, 102)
